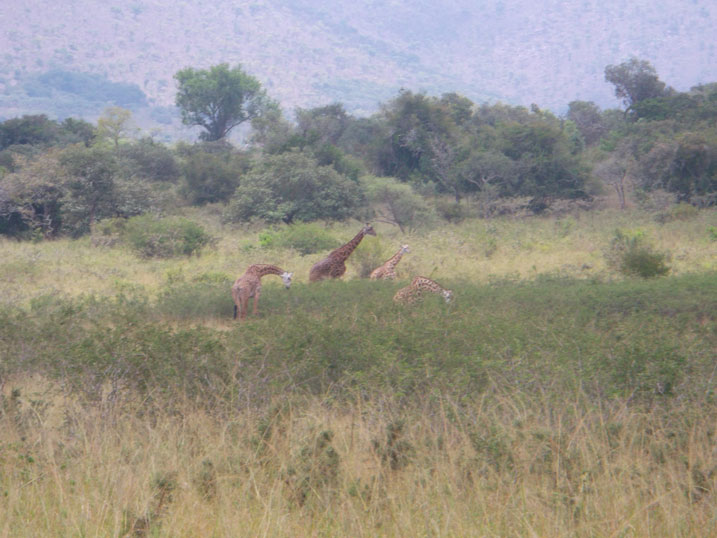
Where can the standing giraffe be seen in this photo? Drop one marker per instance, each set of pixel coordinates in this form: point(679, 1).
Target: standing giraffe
point(418, 286)
point(388, 270)
point(249, 285)
point(334, 265)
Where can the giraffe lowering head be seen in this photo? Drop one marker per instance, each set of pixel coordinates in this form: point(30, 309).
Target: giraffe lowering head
point(334, 265)
point(418, 287)
point(249, 285)
point(286, 278)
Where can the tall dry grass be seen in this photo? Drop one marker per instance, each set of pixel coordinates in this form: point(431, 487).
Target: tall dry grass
point(505, 465)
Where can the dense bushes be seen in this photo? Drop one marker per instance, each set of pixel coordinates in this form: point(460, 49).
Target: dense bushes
point(306, 238)
point(163, 238)
point(619, 339)
point(293, 187)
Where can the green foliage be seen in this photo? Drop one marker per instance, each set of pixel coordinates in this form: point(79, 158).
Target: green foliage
point(204, 297)
point(218, 99)
point(153, 237)
point(304, 237)
point(679, 212)
point(622, 339)
point(211, 172)
point(451, 211)
point(630, 253)
point(315, 469)
point(394, 451)
point(397, 203)
point(148, 160)
point(368, 256)
point(634, 80)
point(293, 187)
point(91, 185)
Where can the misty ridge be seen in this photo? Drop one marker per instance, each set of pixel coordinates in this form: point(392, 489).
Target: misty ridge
point(307, 53)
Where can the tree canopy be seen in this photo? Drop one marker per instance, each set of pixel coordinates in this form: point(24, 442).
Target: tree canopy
point(218, 99)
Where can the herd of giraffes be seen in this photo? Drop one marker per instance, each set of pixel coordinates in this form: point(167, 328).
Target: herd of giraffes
point(248, 285)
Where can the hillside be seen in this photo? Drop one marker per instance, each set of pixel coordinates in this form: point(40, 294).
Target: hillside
point(308, 53)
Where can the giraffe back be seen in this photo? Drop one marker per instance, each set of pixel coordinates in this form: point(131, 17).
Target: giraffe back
point(418, 287)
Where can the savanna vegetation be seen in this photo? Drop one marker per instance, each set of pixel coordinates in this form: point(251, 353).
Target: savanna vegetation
point(567, 390)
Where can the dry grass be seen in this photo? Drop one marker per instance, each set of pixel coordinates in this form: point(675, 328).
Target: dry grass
point(477, 250)
point(506, 462)
point(499, 467)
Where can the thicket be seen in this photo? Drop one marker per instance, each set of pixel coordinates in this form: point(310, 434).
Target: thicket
point(648, 340)
point(327, 164)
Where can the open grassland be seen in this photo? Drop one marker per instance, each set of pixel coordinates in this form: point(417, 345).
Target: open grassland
point(475, 250)
point(553, 397)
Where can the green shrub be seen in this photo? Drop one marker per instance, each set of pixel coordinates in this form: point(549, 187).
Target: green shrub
point(451, 211)
point(206, 296)
point(151, 237)
point(631, 254)
point(712, 232)
point(305, 238)
point(682, 211)
point(368, 256)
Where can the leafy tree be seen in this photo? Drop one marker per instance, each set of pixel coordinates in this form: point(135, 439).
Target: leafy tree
point(92, 174)
point(28, 130)
point(589, 120)
point(415, 125)
point(396, 203)
point(322, 125)
point(148, 160)
point(218, 99)
point(271, 131)
point(78, 131)
point(615, 171)
point(114, 124)
point(31, 197)
point(634, 80)
point(211, 172)
point(293, 187)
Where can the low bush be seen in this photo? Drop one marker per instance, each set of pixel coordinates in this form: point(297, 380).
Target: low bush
point(152, 237)
point(631, 254)
point(305, 238)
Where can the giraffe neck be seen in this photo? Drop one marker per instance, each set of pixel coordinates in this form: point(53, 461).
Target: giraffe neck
point(261, 270)
point(344, 252)
point(393, 261)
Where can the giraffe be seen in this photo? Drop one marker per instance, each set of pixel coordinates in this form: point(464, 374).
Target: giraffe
point(249, 285)
point(418, 286)
point(334, 265)
point(388, 270)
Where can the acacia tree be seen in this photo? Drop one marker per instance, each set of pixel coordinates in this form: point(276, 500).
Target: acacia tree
point(218, 99)
point(635, 80)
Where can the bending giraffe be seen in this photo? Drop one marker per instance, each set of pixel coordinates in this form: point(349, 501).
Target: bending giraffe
point(418, 286)
point(388, 270)
point(249, 285)
point(334, 265)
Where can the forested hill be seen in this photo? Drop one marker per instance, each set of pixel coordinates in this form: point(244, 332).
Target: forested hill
point(310, 52)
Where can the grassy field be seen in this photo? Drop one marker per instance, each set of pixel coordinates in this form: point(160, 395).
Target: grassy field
point(553, 397)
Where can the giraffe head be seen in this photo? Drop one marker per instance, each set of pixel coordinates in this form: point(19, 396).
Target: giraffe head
point(447, 295)
point(286, 277)
point(405, 249)
point(368, 229)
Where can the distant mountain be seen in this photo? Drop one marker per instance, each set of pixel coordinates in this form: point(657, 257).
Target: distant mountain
point(308, 52)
